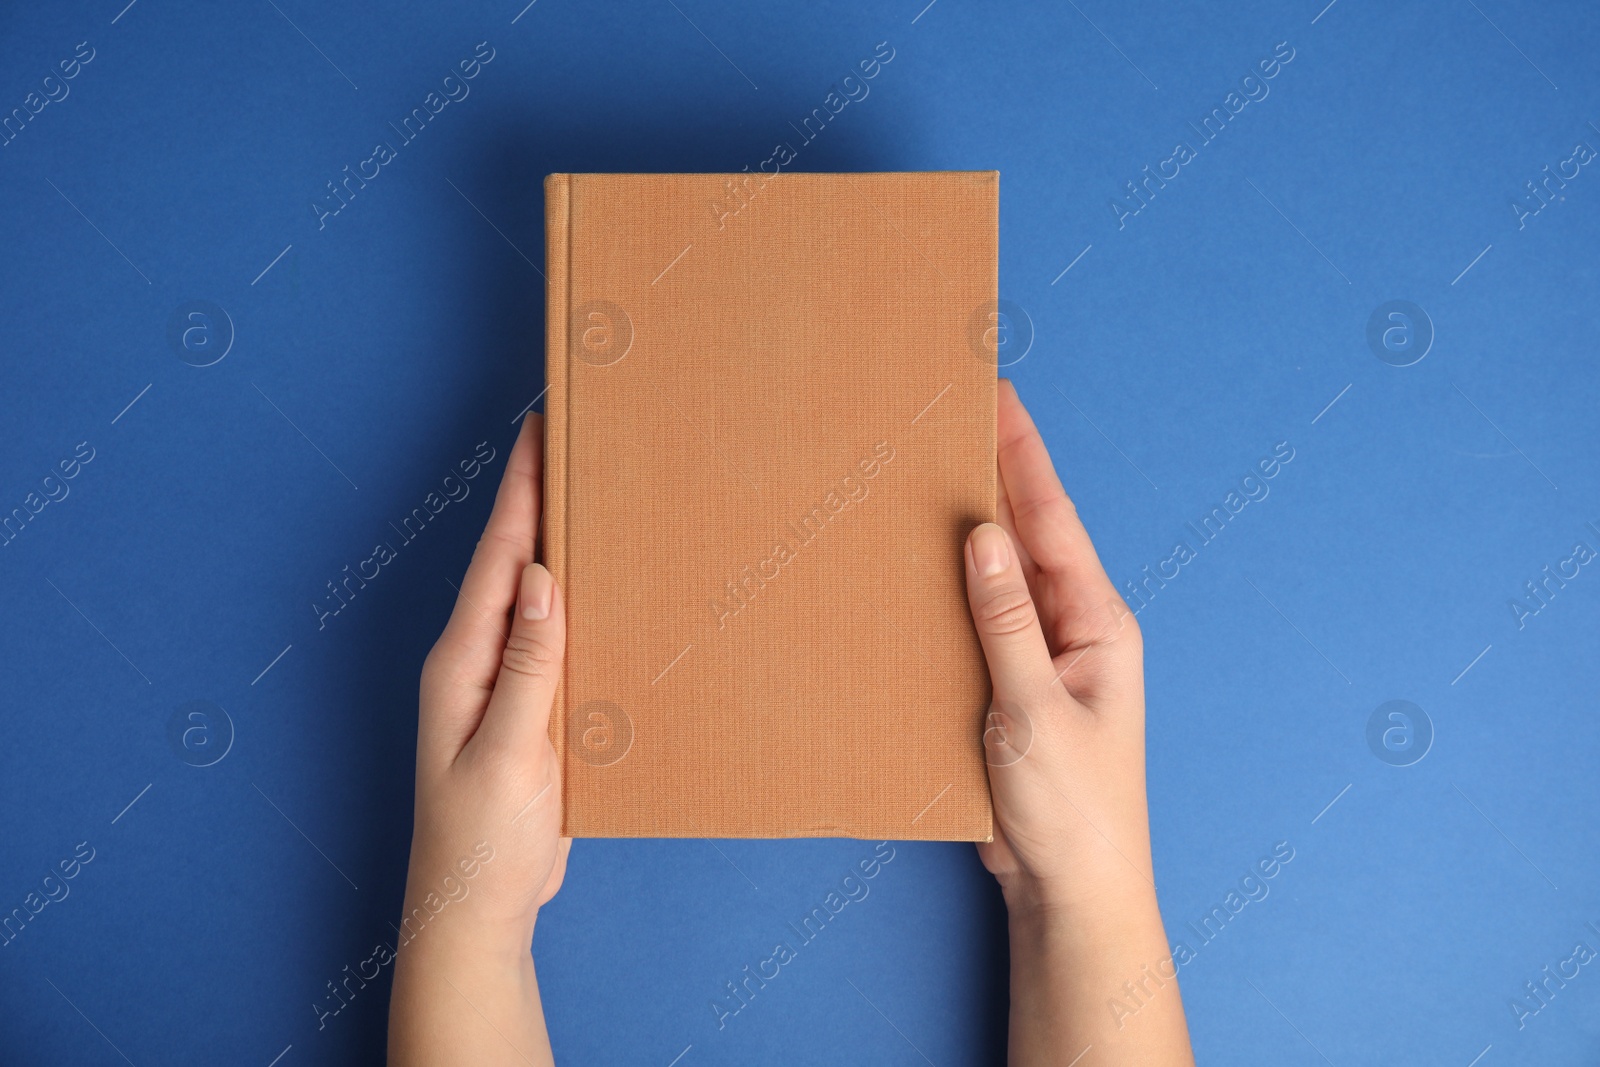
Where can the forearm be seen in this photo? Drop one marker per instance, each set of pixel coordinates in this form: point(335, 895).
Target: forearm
point(456, 1001)
point(1096, 973)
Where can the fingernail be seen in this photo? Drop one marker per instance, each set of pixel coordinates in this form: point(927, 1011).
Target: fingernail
point(991, 550)
point(537, 587)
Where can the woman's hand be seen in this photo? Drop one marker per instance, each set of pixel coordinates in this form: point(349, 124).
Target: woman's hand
point(486, 849)
point(1065, 746)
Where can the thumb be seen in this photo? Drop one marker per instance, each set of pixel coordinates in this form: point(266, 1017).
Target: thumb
point(518, 715)
point(1003, 612)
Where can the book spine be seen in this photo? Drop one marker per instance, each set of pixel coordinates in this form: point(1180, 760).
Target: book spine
point(557, 439)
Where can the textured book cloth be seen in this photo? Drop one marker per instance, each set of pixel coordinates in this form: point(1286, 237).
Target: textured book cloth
point(770, 427)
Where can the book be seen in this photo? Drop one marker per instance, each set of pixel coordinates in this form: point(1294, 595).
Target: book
point(770, 427)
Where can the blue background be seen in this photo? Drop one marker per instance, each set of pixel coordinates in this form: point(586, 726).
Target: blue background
point(1181, 346)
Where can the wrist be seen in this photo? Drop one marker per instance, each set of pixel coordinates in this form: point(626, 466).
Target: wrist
point(450, 980)
point(1116, 900)
point(454, 934)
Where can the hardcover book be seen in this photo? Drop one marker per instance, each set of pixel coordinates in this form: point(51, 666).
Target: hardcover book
point(770, 426)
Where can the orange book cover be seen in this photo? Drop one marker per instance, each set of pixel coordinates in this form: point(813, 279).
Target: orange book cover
point(770, 426)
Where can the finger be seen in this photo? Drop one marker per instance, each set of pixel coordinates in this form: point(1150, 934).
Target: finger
point(1007, 522)
point(530, 669)
point(1003, 612)
point(463, 665)
point(1072, 585)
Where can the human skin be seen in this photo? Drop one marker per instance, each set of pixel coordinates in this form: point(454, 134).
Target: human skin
point(1065, 747)
point(465, 990)
point(1064, 739)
